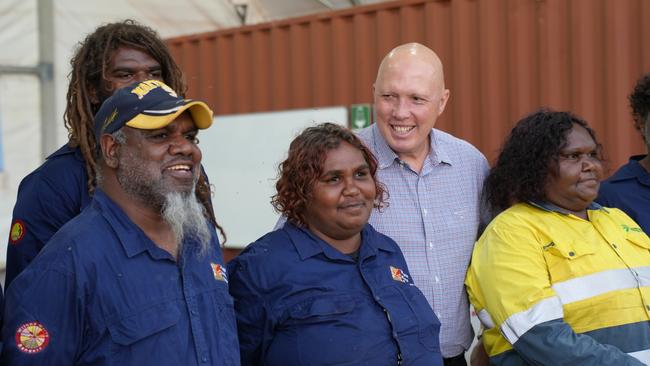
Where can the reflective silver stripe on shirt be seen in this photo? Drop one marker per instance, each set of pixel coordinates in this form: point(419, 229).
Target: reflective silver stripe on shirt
point(584, 287)
point(485, 319)
point(643, 356)
point(518, 324)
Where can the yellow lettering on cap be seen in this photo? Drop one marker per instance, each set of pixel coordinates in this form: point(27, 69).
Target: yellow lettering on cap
point(146, 86)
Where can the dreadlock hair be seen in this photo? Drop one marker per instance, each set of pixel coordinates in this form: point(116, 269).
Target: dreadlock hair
point(89, 67)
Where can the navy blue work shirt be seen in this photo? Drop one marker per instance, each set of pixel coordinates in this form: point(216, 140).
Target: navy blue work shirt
point(102, 293)
point(47, 198)
point(299, 301)
point(629, 190)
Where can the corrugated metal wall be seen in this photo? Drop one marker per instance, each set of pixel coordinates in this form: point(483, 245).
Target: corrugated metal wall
point(503, 59)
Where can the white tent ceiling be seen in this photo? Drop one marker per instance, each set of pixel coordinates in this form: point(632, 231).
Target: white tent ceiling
point(20, 105)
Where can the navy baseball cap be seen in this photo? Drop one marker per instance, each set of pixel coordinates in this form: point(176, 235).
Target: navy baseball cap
point(147, 105)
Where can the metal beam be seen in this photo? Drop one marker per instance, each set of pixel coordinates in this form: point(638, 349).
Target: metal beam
point(49, 118)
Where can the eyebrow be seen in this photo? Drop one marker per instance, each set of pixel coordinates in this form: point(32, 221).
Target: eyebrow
point(338, 171)
point(129, 68)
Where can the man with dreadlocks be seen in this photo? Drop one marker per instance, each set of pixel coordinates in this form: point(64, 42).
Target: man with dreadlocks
point(113, 56)
point(138, 277)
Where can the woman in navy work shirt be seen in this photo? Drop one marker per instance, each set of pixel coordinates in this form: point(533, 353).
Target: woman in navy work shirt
point(327, 289)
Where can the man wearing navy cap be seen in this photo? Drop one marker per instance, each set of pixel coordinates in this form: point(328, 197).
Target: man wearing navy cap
point(138, 276)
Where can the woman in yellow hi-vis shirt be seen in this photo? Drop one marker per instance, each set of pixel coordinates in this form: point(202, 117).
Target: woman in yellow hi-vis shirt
point(555, 278)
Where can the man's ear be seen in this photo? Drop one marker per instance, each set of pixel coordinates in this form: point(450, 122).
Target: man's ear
point(110, 150)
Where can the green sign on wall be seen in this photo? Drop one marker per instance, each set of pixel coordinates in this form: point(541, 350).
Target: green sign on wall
point(359, 116)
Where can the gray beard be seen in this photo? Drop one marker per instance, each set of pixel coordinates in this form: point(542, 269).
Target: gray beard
point(184, 214)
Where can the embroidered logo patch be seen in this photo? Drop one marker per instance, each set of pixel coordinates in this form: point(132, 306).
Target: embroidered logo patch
point(219, 272)
point(399, 275)
point(32, 337)
point(17, 232)
point(627, 229)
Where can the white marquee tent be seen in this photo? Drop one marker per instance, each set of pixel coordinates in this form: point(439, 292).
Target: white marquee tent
point(38, 38)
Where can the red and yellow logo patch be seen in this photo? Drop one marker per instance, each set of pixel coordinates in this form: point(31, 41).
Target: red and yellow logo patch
point(219, 272)
point(399, 275)
point(32, 337)
point(17, 232)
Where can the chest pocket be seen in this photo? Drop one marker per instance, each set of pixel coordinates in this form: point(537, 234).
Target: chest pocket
point(322, 308)
point(412, 316)
point(640, 239)
point(129, 330)
point(321, 331)
point(566, 260)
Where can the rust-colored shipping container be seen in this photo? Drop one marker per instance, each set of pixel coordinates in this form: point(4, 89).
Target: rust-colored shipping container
point(502, 58)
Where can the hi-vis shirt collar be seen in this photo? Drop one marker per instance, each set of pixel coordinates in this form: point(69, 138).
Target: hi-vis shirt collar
point(547, 206)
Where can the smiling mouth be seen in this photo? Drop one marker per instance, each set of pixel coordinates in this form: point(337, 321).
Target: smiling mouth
point(180, 167)
point(352, 205)
point(402, 130)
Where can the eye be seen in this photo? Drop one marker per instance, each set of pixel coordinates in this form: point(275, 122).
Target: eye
point(158, 135)
point(124, 75)
point(155, 74)
point(570, 156)
point(418, 100)
point(362, 173)
point(387, 96)
point(192, 138)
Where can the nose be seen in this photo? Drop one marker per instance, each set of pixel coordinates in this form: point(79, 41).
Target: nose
point(590, 163)
point(181, 146)
point(401, 109)
point(350, 188)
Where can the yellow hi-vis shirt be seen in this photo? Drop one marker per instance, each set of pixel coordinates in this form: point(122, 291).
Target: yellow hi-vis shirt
point(534, 266)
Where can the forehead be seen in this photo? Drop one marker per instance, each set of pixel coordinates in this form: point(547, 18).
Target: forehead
point(409, 74)
point(343, 156)
point(125, 56)
point(578, 138)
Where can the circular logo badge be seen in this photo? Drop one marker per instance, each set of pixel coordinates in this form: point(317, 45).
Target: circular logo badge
point(17, 232)
point(32, 337)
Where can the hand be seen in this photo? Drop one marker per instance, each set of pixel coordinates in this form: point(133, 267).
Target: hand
point(479, 357)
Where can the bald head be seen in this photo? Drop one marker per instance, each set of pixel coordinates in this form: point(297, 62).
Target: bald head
point(409, 95)
point(407, 54)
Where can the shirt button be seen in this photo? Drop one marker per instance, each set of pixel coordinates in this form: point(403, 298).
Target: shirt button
point(376, 298)
point(394, 335)
point(571, 254)
point(437, 279)
point(204, 359)
point(647, 307)
point(431, 244)
point(424, 211)
point(193, 312)
point(614, 245)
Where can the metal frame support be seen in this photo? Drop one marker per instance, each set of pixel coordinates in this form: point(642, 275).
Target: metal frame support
point(45, 73)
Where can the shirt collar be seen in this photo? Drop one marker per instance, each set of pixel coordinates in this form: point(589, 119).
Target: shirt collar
point(307, 244)
point(547, 206)
point(386, 156)
point(132, 238)
point(632, 170)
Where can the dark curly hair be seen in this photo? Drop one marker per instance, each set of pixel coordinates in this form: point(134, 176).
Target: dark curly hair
point(89, 67)
point(304, 165)
point(640, 103)
point(521, 170)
